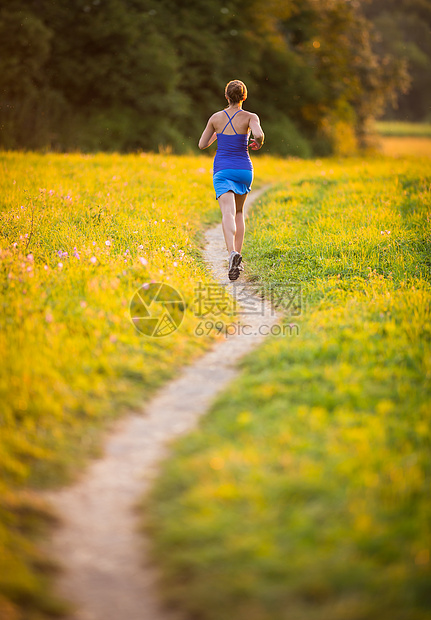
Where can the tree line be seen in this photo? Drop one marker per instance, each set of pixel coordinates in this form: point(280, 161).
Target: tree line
point(146, 74)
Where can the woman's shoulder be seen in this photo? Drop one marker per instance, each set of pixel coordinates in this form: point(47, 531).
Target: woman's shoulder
point(222, 113)
point(251, 114)
point(217, 114)
point(216, 117)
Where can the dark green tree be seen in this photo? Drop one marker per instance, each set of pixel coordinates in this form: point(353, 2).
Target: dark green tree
point(404, 32)
point(132, 74)
point(27, 102)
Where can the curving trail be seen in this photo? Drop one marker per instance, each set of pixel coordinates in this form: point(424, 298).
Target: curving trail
point(106, 573)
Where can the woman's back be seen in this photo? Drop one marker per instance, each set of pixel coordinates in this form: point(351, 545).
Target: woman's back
point(240, 124)
point(232, 144)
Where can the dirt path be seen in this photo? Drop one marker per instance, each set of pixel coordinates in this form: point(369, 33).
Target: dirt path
point(107, 574)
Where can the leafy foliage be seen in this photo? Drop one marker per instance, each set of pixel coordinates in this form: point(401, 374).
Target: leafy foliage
point(404, 33)
point(143, 74)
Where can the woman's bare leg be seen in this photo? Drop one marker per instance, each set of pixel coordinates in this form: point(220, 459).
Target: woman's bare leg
point(227, 206)
point(239, 221)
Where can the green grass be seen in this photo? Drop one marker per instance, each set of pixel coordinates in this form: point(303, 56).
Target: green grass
point(71, 359)
point(304, 494)
point(400, 128)
point(70, 347)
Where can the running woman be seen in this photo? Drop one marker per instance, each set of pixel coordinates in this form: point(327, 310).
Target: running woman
point(233, 169)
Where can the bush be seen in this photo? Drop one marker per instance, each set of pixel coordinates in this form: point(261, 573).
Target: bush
point(283, 138)
point(338, 129)
point(117, 130)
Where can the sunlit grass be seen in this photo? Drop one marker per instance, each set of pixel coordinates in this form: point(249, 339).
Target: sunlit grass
point(79, 235)
point(304, 494)
point(402, 128)
point(400, 139)
point(405, 146)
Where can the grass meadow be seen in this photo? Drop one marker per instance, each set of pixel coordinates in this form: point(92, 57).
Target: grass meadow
point(400, 139)
point(399, 146)
point(311, 470)
point(403, 129)
point(304, 494)
point(79, 235)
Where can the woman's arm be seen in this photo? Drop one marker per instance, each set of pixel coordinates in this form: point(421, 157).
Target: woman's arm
point(256, 130)
point(208, 136)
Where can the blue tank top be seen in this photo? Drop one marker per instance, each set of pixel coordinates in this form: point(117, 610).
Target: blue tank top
point(232, 150)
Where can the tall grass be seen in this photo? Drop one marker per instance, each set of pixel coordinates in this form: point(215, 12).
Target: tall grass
point(79, 235)
point(304, 494)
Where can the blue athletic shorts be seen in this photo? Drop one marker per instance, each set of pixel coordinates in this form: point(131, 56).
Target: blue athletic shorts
point(230, 180)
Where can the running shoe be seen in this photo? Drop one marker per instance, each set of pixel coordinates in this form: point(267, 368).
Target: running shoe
point(234, 263)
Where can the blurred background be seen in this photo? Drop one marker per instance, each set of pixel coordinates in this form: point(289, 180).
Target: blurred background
point(129, 75)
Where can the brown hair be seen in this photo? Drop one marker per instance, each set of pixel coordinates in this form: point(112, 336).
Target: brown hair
point(236, 91)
